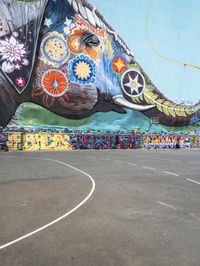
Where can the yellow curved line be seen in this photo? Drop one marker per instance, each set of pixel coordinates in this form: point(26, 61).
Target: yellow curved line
point(156, 51)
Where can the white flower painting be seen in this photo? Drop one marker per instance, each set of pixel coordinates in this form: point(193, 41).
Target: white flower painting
point(13, 53)
point(69, 26)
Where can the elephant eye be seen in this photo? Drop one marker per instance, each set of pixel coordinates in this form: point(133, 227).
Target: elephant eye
point(89, 39)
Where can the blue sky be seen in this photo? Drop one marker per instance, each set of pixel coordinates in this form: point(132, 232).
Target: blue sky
point(174, 27)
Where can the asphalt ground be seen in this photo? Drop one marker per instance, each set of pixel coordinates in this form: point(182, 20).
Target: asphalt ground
point(143, 210)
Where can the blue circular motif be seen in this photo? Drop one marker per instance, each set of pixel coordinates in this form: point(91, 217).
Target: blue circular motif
point(84, 61)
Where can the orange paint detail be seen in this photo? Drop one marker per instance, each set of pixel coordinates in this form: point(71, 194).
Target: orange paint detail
point(119, 65)
point(94, 53)
point(54, 82)
point(87, 25)
point(74, 43)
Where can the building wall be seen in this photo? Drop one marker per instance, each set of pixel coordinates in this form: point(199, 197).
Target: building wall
point(39, 141)
point(15, 140)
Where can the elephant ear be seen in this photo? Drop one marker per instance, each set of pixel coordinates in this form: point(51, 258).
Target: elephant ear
point(20, 22)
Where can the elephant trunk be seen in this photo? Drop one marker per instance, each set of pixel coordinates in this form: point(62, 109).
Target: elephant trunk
point(167, 112)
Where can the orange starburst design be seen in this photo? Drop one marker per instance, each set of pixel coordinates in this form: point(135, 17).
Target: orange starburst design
point(74, 44)
point(119, 65)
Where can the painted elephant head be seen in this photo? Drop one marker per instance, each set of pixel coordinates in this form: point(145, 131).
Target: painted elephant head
point(63, 55)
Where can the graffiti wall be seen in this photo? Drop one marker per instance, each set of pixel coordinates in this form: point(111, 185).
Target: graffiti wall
point(64, 56)
point(154, 141)
point(43, 141)
point(3, 141)
point(106, 141)
point(15, 140)
point(66, 142)
point(38, 141)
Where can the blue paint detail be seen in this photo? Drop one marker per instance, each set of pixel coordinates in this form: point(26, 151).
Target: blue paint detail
point(117, 48)
point(107, 80)
point(195, 118)
point(72, 70)
point(55, 84)
point(58, 10)
point(102, 141)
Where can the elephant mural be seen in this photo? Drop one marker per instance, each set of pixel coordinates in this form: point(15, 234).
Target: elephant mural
point(64, 56)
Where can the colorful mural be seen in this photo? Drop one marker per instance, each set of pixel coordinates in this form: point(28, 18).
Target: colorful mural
point(106, 141)
point(38, 141)
point(155, 141)
point(64, 56)
point(27, 141)
point(3, 141)
point(44, 141)
point(15, 141)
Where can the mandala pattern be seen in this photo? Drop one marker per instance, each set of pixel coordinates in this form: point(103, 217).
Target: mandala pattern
point(133, 83)
point(82, 70)
point(54, 49)
point(54, 83)
point(12, 54)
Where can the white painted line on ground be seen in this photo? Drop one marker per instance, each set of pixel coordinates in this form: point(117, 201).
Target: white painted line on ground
point(193, 181)
point(196, 163)
point(105, 159)
point(194, 216)
point(64, 215)
point(150, 168)
point(116, 161)
point(132, 164)
point(166, 205)
point(169, 173)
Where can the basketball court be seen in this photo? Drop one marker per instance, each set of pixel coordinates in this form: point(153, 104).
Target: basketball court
point(117, 207)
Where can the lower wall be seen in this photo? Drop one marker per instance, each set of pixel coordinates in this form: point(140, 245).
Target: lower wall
point(106, 141)
point(38, 141)
point(66, 142)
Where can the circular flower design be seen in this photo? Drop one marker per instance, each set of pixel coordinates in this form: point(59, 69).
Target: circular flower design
point(133, 83)
point(54, 49)
point(11, 50)
point(82, 70)
point(54, 83)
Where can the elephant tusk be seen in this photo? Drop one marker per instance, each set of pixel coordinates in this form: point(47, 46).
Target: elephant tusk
point(119, 99)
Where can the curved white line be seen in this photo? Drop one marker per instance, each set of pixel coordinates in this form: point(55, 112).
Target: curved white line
point(61, 217)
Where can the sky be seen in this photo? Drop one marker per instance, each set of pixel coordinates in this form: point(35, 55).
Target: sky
point(174, 28)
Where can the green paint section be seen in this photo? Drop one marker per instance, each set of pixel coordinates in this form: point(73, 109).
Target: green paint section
point(32, 115)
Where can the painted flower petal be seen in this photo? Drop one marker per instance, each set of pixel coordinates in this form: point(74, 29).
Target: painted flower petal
point(37, 91)
point(7, 67)
point(48, 101)
point(4, 43)
point(20, 46)
point(18, 58)
point(11, 59)
point(13, 41)
point(2, 49)
point(6, 56)
point(22, 52)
